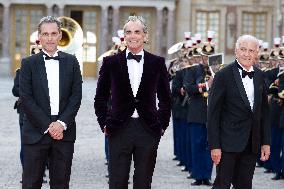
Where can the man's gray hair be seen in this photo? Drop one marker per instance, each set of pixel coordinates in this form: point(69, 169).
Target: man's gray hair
point(49, 19)
point(137, 19)
point(247, 38)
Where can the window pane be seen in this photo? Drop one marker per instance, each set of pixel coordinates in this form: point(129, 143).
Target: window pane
point(205, 21)
point(254, 24)
point(90, 38)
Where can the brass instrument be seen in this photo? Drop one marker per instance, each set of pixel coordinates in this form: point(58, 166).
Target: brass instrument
point(72, 38)
point(119, 45)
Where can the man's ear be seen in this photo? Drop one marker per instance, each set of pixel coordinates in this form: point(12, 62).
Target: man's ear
point(146, 38)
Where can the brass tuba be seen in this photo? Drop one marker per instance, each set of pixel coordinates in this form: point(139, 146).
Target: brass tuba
point(72, 38)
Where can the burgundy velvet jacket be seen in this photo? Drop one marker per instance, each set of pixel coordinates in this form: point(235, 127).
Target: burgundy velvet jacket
point(113, 83)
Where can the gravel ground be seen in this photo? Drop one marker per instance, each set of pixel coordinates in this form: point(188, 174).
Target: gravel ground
point(89, 169)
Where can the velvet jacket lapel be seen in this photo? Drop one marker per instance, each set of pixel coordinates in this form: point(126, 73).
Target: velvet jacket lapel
point(125, 75)
point(124, 72)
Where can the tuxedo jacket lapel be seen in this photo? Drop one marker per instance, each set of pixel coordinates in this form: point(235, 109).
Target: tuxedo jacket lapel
point(240, 85)
point(146, 70)
point(42, 72)
point(124, 71)
point(258, 87)
point(61, 74)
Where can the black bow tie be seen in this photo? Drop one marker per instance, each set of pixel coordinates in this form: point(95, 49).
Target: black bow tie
point(135, 57)
point(246, 73)
point(249, 74)
point(51, 57)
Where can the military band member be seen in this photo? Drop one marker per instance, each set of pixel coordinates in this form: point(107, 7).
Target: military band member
point(194, 83)
point(277, 114)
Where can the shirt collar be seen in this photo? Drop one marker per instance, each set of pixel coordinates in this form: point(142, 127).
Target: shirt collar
point(250, 70)
point(55, 54)
point(140, 53)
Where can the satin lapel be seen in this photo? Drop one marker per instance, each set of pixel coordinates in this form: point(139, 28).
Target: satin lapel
point(240, 85)
point(124, 71)
point(257, 89)
point(62, 79)
point(42, 72)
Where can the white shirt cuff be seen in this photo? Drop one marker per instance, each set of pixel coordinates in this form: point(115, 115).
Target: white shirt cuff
point(207, 86)
point(63, 124)
point(46, 131)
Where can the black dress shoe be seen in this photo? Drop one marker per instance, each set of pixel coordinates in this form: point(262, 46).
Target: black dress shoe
point(184, 169)
point(107, 176)
point(197, 183)
point(268, 171)
point(206, 182)
point(277, 176)
point(189, 176)
point(179, 163)
point(175, 158)
point(44, 181)
point(259, 164)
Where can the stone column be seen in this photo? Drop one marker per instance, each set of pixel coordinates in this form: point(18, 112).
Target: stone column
point(115, 20)
point(5, 59)
point(61, 10)
point(159, 29)
point(104, 29)
point(49, 10)
point(171, 27)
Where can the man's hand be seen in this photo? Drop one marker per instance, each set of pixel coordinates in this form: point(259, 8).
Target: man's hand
point(56, 130)
point(265, 152)
point(210, 81)
point(216, 156)
point(182, 91)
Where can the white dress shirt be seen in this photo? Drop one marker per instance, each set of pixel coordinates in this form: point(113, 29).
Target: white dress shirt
point(52, 74)
point(135, 70)
point(248, 85)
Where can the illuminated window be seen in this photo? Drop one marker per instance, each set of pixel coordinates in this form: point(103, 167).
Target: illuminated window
point(208, 20)
point(90, 39)
point(254, 24)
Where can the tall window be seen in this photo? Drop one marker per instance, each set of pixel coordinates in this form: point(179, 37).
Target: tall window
point(254, 24)
point(208, 20)
point(90, 38)
point(24, 21)
point(87, 19)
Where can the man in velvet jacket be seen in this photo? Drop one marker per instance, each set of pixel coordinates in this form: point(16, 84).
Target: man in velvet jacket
point(238, 118)
point(51, 92)
point(133, 78)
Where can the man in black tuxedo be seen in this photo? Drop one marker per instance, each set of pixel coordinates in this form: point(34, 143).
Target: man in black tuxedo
point(133, 78)
point(51, 93)
point(238, 123)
